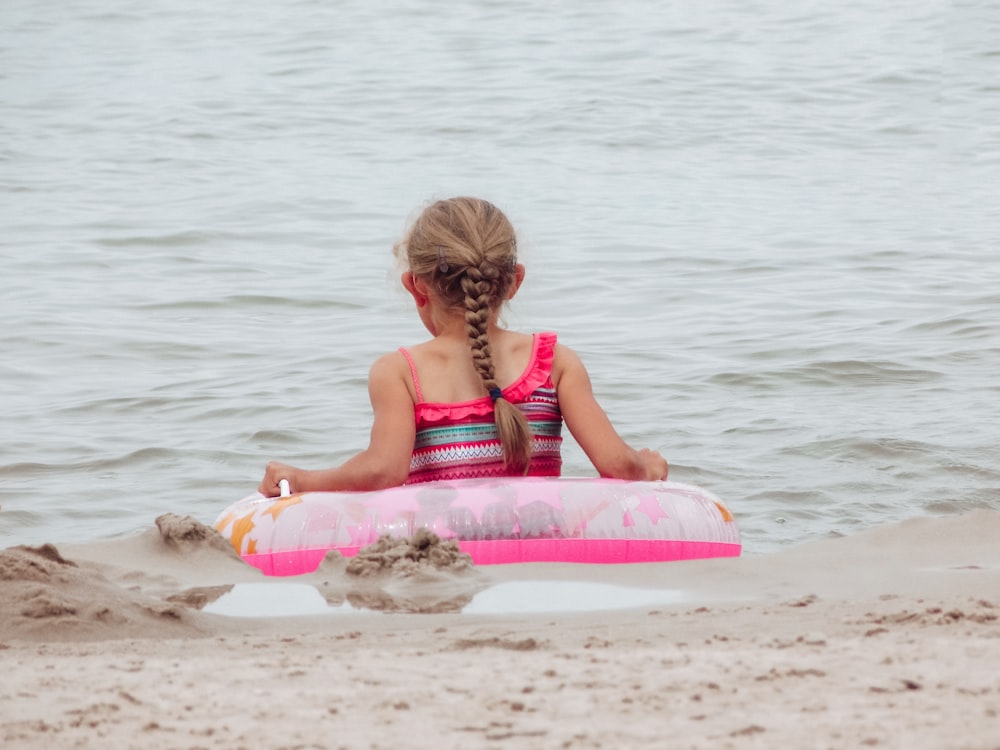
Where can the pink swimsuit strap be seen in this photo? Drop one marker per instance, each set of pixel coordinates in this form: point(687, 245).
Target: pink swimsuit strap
point(413, 373)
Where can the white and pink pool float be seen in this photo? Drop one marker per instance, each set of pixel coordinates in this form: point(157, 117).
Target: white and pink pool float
point(508, 520)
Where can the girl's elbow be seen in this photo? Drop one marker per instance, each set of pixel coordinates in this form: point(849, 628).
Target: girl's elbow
point(373, 470)
point(389, 476)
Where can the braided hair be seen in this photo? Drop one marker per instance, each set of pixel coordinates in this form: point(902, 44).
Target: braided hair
point(465, 248)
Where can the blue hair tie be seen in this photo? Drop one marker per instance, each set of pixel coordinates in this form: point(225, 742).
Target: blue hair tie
point(495, 393)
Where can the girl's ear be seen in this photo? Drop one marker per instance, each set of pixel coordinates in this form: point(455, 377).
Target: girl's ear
point(518, 280)
point(407, 281)
point(415, 287)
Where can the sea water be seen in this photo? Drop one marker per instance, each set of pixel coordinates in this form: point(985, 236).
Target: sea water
point(768, 228)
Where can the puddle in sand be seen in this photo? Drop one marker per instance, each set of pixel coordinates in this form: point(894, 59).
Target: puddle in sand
point(273, 600)
point(516, 597)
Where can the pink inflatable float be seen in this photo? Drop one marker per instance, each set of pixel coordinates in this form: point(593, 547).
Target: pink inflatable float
point(508, 520)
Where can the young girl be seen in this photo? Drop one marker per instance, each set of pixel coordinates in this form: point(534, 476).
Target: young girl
point(476, 400)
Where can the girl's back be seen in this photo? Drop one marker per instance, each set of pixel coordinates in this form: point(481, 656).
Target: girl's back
point(447, 374)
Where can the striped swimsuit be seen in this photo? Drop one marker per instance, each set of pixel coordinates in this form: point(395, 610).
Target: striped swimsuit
point(460, 440)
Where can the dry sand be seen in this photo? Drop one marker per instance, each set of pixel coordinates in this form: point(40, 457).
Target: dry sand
point(886, 639)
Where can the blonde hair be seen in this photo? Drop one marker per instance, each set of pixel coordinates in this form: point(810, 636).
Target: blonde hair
point(465, 249)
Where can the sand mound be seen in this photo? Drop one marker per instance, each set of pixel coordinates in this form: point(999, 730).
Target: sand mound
point(176, 554)
point(424, 551)
point(32, 563)
point(422, 574)
point(183, 533)
point(47, 597)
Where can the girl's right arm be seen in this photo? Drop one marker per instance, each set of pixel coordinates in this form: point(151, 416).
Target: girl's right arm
point(591, 428)
point(386, 461)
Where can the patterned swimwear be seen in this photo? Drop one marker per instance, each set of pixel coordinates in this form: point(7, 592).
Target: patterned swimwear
point(460, 440)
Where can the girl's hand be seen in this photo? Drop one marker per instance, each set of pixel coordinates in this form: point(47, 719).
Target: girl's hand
point(654, 465)
point(274, 473)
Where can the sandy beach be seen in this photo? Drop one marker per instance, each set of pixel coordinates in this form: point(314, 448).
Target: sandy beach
point(889, 638)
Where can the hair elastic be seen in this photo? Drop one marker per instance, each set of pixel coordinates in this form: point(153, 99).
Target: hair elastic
point(495, 393)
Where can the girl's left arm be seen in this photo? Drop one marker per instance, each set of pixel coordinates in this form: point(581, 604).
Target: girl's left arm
point(386, 460)
point(590, 426)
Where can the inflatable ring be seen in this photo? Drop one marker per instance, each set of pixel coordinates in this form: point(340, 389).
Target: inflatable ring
point(506, 520)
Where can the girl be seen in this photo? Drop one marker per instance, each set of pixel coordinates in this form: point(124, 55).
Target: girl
point(476, 400)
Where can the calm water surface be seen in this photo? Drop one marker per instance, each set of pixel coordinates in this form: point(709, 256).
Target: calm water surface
point(769, 229)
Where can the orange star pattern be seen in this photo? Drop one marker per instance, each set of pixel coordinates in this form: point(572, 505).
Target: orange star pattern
point(241, 527)
point(724, 512)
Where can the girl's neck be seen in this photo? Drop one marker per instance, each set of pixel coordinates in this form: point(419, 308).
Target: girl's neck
point(450, 324)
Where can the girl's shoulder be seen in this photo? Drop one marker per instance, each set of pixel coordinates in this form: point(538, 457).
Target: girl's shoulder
point(565, 360)
point(391, 373)
point(389, 365)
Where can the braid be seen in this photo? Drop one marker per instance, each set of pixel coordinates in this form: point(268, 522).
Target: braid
point(515, 435)
point(477, 317)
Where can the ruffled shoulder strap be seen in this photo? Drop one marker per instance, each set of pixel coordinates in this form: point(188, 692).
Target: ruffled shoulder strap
point(539, 369)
